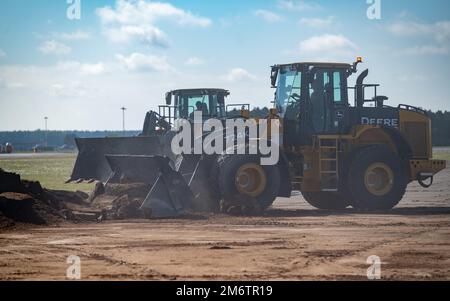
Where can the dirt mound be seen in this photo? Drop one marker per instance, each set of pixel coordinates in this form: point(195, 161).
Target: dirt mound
point(25, 208)
point(27, 202)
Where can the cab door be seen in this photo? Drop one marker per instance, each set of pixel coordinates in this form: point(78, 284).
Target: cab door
point(328, 100)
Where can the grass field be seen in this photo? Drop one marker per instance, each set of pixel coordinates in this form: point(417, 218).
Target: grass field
point(53, 170)
point(442, 155)
point(50, 170)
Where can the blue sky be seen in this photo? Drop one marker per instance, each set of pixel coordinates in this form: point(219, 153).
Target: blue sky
point(80, 73)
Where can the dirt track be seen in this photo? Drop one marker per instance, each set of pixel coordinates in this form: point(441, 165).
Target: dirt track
point(292, 241)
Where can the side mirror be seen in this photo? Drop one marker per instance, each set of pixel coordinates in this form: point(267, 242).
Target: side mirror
point(274, 76)
point(168, 98)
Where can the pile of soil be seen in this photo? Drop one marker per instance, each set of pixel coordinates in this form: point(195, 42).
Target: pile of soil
point(27, 202)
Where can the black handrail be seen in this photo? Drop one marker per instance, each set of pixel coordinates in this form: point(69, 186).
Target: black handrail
point(413, 109)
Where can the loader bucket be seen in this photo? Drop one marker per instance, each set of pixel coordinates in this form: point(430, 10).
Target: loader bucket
point(173, 192)
point(169, 196)
point(134, 169)
point(91, 163)
point(189, 187)
point(197, 171)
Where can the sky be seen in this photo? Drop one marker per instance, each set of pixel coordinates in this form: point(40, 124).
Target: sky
point(79, 72)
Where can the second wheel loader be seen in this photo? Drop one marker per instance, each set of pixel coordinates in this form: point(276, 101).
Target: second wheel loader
point(92, 165)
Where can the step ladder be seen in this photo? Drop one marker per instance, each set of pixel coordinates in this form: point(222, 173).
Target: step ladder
point(328, 164)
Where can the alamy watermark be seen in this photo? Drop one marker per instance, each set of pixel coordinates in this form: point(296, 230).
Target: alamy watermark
point(374, 9)
point(73, 11)
point(73, 272)
point(233, 136)
point(374, 270)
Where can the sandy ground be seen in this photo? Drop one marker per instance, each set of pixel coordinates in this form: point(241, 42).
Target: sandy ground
point(291, 241)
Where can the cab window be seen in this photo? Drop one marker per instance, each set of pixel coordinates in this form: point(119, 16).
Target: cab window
point(337, 88)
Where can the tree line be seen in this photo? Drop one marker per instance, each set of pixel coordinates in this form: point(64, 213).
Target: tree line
point(26, 140)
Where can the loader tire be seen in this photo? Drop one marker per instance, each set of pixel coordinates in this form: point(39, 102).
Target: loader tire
point(377, 179)
point(326, 200)
point(242, 177)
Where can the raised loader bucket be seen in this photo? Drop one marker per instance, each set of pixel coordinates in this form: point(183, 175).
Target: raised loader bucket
point(91, 163)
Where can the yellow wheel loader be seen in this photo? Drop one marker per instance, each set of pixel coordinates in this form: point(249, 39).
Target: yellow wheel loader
point(337, 152)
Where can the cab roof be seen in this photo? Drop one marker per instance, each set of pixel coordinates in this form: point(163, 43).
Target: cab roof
point(200, 90)
point(317, 64)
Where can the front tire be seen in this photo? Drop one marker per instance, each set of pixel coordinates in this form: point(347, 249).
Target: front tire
point(242, 177)
point(377, 179)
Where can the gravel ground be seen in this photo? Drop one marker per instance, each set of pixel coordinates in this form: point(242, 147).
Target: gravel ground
point(290, 241)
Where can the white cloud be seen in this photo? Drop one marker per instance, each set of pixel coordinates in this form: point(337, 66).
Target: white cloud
point(10, 84)
point(268, 16)
point(68, 90)
point(54, 47)
point(147, 34)
point(15, 85)
point(141, 62)
point(131, 19)
point(411, 78)
point(76, 101)
point(426, 50)
point(74, 36)
point(85, 69)
point(194, 61)
point(239, 74)
point(143, 12)
point(298, 5)
point(439, 30)
point(328, 44)
point(317, 22)
point(2, 54)
point(94, 69)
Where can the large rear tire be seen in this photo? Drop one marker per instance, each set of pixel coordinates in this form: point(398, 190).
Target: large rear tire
point(326, 200)
point(242, 176)
point(377, 179)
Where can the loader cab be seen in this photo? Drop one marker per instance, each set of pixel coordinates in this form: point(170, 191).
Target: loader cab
point(312, 99)
point(210, 102)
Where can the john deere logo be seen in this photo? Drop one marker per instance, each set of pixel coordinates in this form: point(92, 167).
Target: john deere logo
point(392, 122)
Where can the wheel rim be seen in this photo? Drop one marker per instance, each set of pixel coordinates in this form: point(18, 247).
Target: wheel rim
point(379, 179)
point(251, 179)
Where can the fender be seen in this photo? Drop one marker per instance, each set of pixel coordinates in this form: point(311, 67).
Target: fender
point(403, 147)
